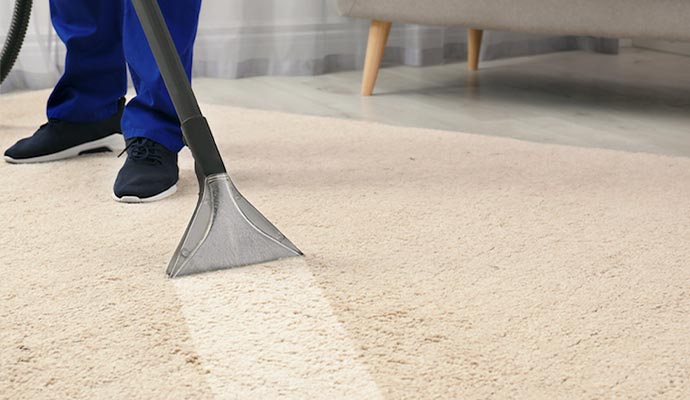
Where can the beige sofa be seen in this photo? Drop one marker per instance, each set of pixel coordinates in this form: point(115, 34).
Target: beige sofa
point(654, 19)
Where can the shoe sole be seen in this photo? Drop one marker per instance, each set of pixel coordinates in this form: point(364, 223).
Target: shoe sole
point(113, 143)
point(138, 200)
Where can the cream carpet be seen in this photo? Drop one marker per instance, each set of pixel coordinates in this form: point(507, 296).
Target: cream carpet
point(439, 265)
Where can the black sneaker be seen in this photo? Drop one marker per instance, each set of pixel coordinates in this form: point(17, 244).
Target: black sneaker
point(150, 172)
point(57, 140)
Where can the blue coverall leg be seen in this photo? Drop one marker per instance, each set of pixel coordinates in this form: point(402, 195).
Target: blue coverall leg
point(102, 37)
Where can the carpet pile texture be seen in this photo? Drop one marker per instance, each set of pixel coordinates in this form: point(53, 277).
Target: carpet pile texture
point(438, 265)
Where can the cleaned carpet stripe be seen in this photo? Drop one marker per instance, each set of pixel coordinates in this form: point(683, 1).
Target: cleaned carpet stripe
point(266, 332)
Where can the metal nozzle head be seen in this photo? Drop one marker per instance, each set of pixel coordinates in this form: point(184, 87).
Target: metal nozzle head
point(226, 231)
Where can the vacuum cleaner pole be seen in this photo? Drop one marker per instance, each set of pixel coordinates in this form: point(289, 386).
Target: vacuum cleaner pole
point(226, 230)
point(201, 144)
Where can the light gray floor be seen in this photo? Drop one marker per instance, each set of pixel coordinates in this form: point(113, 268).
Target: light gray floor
point(638, 100)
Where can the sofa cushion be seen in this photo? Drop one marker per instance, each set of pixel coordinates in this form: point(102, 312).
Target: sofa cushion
point(660, 19)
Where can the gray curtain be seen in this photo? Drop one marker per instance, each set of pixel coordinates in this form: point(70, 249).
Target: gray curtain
point(242, 38)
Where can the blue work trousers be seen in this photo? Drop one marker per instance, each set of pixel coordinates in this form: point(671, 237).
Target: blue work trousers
point(103, 37)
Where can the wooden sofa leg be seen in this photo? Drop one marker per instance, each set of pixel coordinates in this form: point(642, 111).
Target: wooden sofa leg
point(474, 44)
point(378, 36)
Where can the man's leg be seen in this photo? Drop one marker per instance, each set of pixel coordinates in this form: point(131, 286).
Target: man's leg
point(95, 76)
point(149, 123)
point(84, 110)
point(151, 113)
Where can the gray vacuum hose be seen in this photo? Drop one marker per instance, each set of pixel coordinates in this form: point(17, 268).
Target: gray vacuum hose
point(15, 37)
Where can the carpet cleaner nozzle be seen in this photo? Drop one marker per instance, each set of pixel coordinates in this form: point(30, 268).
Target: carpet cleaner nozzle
point(226, 230)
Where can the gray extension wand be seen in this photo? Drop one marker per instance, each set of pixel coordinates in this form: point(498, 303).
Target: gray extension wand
point(226, 230)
